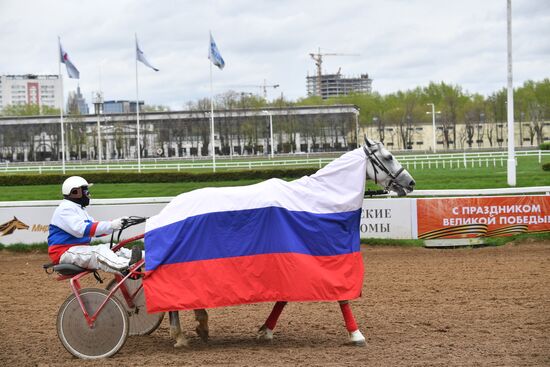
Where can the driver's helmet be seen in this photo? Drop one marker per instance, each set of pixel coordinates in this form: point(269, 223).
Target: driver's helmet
point(73, 182)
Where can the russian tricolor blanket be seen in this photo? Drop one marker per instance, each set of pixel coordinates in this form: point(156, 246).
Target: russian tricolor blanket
point(272, 241)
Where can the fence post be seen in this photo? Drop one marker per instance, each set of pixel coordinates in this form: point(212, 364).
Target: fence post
point(540, 153)
point(465, 165)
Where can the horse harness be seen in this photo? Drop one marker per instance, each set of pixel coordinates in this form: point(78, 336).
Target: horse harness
point(378, 165)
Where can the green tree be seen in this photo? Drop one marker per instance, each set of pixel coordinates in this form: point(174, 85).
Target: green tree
point(29, 110)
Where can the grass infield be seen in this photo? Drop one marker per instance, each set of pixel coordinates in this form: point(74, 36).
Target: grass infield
point(528, 173)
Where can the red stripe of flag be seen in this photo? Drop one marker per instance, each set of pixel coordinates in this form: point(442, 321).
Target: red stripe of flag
point(253, 279)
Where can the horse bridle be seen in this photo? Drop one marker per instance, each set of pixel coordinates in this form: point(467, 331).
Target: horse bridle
point(378, 165)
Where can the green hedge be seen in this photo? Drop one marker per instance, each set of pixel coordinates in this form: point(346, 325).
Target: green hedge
point(544, 146)
point(546, 166)
point(151, 177)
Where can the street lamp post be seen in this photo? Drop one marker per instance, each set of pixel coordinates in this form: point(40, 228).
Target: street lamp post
point(99, 138)
point(97, 99)
point(433, 125)
point(270, 130)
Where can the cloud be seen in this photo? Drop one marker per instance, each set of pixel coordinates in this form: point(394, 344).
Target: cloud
point(402, 44)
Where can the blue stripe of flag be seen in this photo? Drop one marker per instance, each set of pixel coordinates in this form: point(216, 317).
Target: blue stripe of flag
point(252, 232)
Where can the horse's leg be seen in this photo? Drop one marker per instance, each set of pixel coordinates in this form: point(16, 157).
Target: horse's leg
point(175, 330)
point(266, 331)
point(202, 328)
point(355, 336)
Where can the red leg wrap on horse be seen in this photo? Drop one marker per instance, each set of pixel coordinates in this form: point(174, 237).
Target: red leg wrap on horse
point(274, 315)
point(351, 325)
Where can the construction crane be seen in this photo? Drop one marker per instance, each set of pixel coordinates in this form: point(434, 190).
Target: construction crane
point(318, 58)
point(263, 87)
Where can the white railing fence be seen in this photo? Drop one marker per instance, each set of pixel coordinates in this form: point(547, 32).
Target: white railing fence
point(422, 161)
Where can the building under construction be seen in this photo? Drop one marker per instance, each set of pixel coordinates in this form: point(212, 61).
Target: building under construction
point(334, 85)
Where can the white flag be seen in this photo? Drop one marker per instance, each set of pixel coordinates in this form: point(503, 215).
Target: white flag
point(72, 71)
point(141, 57)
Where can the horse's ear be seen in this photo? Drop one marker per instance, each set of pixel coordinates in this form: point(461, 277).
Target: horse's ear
point(368, 142)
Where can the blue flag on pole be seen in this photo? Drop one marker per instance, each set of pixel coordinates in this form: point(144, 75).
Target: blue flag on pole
point(214, 54)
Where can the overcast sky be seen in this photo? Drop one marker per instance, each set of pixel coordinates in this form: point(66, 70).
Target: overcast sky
point(402, 44)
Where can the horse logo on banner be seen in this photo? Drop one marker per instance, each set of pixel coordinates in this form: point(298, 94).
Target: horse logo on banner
point(10, 227)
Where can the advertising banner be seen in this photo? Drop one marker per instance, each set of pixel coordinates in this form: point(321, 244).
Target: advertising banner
point(388, 218)
point(482, 216)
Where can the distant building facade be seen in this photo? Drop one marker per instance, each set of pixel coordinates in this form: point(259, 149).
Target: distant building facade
point(110, 107)
point(42, 90)
point(76, 103)
point(335, 85)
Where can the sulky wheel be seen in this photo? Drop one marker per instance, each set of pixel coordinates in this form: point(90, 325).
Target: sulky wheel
point(141, 322)
point(108, 333)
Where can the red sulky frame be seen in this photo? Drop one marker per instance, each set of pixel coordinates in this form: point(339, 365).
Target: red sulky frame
point(74, 283)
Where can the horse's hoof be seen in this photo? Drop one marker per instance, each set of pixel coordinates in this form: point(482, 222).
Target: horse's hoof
point(202, 333)
point(265, 334)
point(181, 343)
point(356, 339)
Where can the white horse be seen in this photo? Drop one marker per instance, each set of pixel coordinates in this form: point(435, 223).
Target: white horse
point(382, 168)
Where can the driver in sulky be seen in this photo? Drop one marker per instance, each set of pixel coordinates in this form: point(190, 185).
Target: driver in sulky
point(72, 228)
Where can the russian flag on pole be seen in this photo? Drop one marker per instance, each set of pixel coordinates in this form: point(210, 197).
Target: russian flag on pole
point(272, 241)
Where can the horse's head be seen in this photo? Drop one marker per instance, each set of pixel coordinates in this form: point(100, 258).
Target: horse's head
point(385, 170)
point(18, 224)
point(11, 226)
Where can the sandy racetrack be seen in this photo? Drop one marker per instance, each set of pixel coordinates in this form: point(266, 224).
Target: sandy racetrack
point(472, 307)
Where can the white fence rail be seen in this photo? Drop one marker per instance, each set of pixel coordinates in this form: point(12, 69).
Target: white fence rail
point(456, 160)
point(424, 161)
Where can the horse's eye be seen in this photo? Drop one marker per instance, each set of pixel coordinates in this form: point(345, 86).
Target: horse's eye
point(390, 158)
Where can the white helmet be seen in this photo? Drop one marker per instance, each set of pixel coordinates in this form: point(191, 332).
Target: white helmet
point(73, 182)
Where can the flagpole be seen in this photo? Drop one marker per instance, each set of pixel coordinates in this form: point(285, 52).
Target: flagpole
point(61, 109)
point(510, 101)
point(137, 112)
point(212, 120)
